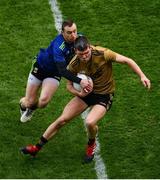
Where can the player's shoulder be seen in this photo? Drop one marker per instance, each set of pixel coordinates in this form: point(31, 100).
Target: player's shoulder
point(74, 60)
point(59, 42)
point(98, 50)
point(59, 38)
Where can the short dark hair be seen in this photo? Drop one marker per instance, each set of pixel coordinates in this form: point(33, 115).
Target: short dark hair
point(81, 43)
point(68, 22)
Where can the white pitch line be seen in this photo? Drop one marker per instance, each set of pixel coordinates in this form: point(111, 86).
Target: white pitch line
point(56, 14)
point(99, 164)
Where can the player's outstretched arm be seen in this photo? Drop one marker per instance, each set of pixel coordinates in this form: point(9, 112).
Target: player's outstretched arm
point(133, 65)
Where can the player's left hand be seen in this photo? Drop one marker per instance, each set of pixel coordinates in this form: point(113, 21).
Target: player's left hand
point(146, 82)
point(89, 88)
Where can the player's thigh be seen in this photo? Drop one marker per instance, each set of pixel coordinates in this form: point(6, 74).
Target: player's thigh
point(96, 113)
point(74, 108)
point(49, 87)
point(33, 85)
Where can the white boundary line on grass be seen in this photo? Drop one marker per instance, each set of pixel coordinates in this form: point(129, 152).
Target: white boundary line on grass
point(57, 15)
point(99, 164)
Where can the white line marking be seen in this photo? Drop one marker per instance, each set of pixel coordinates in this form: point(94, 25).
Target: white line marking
point(56, 14)
point(99, 164)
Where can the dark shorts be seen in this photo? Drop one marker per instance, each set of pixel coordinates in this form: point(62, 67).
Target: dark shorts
point(41, 74)
point(101, 99)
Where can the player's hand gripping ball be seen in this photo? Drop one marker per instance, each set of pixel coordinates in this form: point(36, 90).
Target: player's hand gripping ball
point(82, 76)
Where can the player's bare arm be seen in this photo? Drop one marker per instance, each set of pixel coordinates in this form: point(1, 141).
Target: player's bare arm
point(133, 65)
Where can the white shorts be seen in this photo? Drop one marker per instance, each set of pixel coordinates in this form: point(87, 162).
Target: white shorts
point(33, 80)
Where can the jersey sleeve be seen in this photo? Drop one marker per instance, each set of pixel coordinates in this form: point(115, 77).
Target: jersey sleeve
point(58, 54)
point(109, 55)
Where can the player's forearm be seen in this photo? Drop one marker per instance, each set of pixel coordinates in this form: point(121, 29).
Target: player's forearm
point(66, 73)
point(71, 89)
point(133, 65)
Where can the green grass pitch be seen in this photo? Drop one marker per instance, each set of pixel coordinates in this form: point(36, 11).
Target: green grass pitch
point(129, 134)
